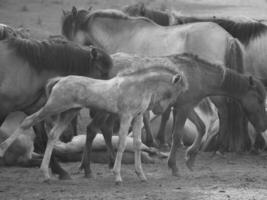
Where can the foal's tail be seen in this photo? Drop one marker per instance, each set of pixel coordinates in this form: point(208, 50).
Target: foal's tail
point(50, 84)
point(234, 57)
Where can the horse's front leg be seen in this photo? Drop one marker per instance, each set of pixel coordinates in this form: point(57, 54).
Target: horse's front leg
point(137, 127)
point(179, 121)
point(63, 119)
point(161, 133)
point(192, 151)
point(125, 122)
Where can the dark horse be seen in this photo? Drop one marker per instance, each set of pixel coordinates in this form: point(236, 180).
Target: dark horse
point(27, 64)
point(252, 34)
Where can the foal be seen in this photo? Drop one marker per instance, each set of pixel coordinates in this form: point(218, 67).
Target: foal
point(129, 94)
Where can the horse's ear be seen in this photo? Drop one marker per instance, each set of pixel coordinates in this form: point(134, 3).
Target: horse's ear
point(64, 12)
point(90, 8)
point(264, 81)
point(176, 78)
point(251, 81)
point(94, 53)
point(141, 6)
point(74, 11)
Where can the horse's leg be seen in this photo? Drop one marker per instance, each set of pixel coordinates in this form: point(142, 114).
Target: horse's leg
point(137, 127)
point(125, 122)
point(192, 151)
point(62, 122)
point(97, 122)
point(85, 163)
point(161, 133)
point(107, 131)
point(180, 116)
point(149, 137)
point(26, 124)
point(40, 145)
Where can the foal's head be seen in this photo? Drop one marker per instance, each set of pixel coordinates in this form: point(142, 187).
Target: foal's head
point(168, 96)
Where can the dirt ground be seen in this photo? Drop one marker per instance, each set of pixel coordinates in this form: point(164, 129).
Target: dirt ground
point(234, 177)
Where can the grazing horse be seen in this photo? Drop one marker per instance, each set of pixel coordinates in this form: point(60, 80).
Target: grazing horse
point(251, 33)
point(116, 32)
point(27, 64)
point(154, 86)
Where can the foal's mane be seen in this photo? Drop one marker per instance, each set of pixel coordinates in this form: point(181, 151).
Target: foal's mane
point(53, 54)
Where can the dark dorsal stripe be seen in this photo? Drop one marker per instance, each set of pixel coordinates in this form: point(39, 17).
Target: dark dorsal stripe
point(54, 54)
point(243, 31)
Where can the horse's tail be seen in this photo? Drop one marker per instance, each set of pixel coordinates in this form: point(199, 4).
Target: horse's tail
point(50, 84)
point(234, 57)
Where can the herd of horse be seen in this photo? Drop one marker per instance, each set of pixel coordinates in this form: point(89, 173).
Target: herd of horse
point(122, 65)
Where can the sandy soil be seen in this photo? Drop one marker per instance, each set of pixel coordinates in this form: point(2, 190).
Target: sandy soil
point(236, 177)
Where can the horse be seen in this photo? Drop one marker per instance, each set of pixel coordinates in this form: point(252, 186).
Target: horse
point(155, 86)
point(27, 64)
point(250, 32)
point(114, 31)
point(21, 152)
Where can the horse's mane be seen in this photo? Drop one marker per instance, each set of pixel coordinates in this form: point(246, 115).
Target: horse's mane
point(143, 65)
point(53, 54)
point(115, 14)
point(245, 31)
point(189, 58)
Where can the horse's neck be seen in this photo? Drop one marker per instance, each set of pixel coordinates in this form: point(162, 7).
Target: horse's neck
point(233, 85)
point(112, 33)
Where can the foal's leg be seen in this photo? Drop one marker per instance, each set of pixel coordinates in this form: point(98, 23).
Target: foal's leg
point(137, 127)
point(125, 122)
point(161, 133)
point(40, 145)
point(192, 151)
point(179, 121)
point(62, 122)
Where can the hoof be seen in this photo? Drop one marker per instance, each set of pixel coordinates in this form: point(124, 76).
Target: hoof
point(190, 161)
point(175, 173)
point(64, 177)
point(47, 181)
point(164, 147)
point(119, 183)
point(89, 176)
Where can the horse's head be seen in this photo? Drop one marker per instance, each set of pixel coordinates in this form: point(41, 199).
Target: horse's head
point(72, 21)
point(254, 104)
point(137, 9)
point(101, 61)
point(179, 85)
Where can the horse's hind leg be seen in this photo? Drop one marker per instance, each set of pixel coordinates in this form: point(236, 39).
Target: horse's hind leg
point(92, 128)
point(107, 131)
point(192, 151)
point(137, 147)
point(62, 122)
point(125, 123)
